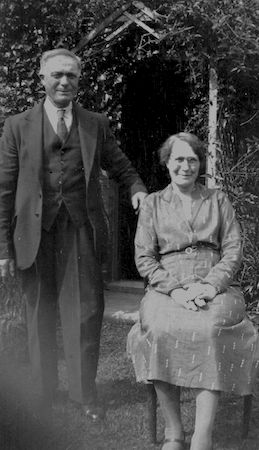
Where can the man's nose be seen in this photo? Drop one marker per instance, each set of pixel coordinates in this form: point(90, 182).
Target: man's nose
point(64, 79)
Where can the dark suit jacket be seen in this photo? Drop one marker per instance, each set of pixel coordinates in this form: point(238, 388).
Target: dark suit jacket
point(21, 176)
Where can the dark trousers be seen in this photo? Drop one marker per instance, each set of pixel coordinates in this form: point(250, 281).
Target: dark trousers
point(65, 274)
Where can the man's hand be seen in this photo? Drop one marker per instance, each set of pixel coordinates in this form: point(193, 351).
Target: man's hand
point(137, 200)
point(7, 268)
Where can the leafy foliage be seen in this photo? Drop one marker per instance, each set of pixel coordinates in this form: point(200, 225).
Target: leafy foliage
point(239, 176)
point(12, 314)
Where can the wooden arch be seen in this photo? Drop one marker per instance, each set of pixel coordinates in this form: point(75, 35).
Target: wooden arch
point(151, 23)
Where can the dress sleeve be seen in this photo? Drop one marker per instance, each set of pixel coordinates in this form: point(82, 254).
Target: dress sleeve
point(147, 251)
point(223, 273)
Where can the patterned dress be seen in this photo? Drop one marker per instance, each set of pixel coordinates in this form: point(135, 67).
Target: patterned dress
point(216, 347)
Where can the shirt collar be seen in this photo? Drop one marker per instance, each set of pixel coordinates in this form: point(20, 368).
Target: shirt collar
point(51, 109)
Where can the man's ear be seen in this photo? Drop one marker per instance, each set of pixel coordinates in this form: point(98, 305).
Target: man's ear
point(41, 77)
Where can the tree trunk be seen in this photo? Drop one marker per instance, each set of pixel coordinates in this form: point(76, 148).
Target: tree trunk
point(212, 138)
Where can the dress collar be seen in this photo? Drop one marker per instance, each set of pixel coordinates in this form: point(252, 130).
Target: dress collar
point(168, 193)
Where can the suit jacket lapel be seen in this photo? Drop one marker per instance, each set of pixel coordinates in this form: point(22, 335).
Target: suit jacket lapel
point(87, 129)
point(33, 133)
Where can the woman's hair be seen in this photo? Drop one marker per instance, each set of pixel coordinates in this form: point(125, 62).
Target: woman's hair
point(193, 141)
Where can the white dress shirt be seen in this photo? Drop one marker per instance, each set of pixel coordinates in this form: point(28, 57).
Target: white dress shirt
point(51, 111)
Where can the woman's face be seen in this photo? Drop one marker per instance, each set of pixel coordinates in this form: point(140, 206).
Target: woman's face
point(183, 165)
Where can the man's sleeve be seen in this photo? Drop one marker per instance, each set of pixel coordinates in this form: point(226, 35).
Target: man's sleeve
point(116, 163)
point(8, 180)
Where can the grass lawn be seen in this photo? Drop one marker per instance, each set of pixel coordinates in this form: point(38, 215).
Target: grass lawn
point(126, 424)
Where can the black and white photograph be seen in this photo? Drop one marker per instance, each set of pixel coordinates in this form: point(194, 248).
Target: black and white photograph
point(129, 225)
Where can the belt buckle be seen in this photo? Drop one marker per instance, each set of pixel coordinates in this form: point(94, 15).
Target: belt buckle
point(190, 250)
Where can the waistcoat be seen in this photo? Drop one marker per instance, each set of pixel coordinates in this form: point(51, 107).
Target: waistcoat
point(63, 176)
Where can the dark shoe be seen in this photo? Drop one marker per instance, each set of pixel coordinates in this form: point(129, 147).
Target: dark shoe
point(94, 412)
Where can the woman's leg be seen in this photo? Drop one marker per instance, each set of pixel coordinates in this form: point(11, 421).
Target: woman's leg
point(206, 407)
point(169, 399)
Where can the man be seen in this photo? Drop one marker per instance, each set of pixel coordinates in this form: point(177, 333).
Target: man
point(52, 224)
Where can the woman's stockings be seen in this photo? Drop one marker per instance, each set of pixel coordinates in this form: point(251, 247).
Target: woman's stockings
point(206, 407)
point(169, 399)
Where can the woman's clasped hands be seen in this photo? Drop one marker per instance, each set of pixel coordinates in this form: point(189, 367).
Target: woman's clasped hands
point(194, 296)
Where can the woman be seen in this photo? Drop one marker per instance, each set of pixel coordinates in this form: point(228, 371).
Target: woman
point(193, 330)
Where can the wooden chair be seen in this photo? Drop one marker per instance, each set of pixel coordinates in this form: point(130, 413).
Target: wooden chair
point(152, 413)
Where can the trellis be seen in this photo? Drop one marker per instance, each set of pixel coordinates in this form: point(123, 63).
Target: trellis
point(135, 13)
point(117, 23)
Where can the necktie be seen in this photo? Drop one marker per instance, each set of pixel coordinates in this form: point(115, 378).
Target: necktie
point(61, 125)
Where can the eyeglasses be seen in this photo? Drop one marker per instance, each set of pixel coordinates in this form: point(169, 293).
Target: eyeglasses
point(190, 161)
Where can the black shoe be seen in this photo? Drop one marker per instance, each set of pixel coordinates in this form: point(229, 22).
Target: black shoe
point(94, 412)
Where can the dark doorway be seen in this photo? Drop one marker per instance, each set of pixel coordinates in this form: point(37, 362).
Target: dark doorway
point(153, 108)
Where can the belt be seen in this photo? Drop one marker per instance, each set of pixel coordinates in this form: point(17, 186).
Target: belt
point(200, 245)
point(193, 248)
point(190, 250)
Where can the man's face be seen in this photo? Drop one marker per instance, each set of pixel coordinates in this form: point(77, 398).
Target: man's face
point(60, 78)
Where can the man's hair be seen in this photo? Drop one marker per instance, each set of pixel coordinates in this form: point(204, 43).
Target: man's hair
point(56, 52)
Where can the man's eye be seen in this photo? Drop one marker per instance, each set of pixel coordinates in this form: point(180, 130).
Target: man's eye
point(180, 159)
point(70, 76)
point(57, 75)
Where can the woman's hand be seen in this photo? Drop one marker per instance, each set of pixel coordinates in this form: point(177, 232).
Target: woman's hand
point(199, 292)
point(181, 297)
point(194, 296)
